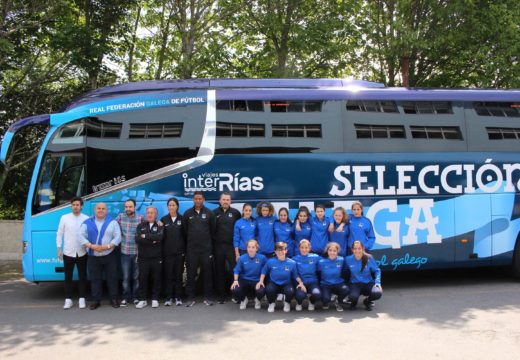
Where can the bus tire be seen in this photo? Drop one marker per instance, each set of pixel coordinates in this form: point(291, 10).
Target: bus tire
point(515, 268)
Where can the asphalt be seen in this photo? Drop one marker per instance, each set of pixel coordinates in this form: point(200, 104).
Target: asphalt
point(428, 315)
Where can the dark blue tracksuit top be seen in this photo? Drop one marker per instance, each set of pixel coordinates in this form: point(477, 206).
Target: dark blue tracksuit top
point(245, 230)
point(265, 233)
point(340, 237)
point(280, 272)
point(320, 234)
point(284, 232)
point(248, 268)
point(305, 233)
point(331, 271)
point(308, 267)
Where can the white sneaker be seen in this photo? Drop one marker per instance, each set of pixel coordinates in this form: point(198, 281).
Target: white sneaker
point(279, 297)
point(82, 303)
point(333, 297)
point(310, 307)
point(155, 303)
point(298, 307)
point(243, 304)
point(286, 306)
point(258, 304)
point(178, 302)
point(141, 304)
point(168, 302)
point(271, 307)
point(68, 304)
point(339, 307)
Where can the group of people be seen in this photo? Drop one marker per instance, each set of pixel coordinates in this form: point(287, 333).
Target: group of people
point(314, 257)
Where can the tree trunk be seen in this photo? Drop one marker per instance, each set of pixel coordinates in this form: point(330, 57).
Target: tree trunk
point(405, 70)
point(130, 71)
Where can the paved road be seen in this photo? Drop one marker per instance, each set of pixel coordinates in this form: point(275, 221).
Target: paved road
point(433, 315)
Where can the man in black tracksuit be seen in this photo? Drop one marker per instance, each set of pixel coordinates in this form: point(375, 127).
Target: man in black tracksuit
point(199, 227)
point(148, 237)
point(223, 250)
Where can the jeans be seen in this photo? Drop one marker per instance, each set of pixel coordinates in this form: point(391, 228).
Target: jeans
point(272, 290)
point(313, 289)
point(341, 290)
point(130, 277)
point(247, 288)
point(96, 266)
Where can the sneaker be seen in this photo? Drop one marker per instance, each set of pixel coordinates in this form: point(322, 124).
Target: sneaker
point(82, 303)
point(190, 303)
point(271, 307)
point(368, 304)
point(339, 307)
point(352, 306)
point(234, 301)
point(208, 302)
point(68, 304)
point(123, 303)
point(325, 307)
point(221, 301)
point(333, 297)
point(155, 303)
point(279, 297)
point(243, 304)
point(136, 301)
point(310, 307)
point(298, 307)
point(178, 302)
point(286, 306)
point(168, 302)
point(258, 304)
point(141, 304)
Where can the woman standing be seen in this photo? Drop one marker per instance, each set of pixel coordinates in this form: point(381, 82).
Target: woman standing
point(302, 226)
point(245, 229)
point(283, 231)
point(361, 228)
point(364, 276)
point(265, 228)
point(339, 230)
point(320, 230)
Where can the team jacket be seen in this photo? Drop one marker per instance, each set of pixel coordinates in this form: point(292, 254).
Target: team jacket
point(151, 245)
point(248, 268)
point(361, 229)
point(225, 225)
point(199, 229)
point(320, 234)
point(265, 233)
point(174, 239)
point(371, 272)
point(284, 232)
point(245, 230)
point(341, 238)
point(281, 272)
point(308, 267)
point(331, 271)
point(305, 233)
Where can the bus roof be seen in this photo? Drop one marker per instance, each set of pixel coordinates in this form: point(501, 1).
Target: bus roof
point(329, 89)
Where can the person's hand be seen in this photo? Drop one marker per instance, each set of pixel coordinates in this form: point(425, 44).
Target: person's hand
point(302, 287)
point(237, 255)
point(60, 254)
point(160, 223)
point(298, 227)
point(340, 228)
point(143, 236)
point(235, 285)
point(379, 287)
point(259, 285)
point(331, 227)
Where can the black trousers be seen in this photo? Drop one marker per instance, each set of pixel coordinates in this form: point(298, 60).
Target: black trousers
point(96, 266)
point(81, 263)
point(173, 267)
point(149, 267)
point(224, 255)
point(194, 261)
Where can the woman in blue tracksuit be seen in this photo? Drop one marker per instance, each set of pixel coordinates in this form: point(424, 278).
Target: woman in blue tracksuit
point(319, 230)
point(364, 276)
point(360, 228)
point(302, 227)
point(245, 230)
point(330, 270)
point(339, 230)
point(307, 264)
point(265, 228)
point(282, 273)
point(283, 231)
point(247, 274)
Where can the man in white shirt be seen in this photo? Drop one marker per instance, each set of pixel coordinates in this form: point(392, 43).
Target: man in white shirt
point(72, 252)
point(101, 234)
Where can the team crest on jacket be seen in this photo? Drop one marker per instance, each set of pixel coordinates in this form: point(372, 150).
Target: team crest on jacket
point(154, 228)
point(338, 265)
point(286, 268)
point(230, 215)
point(179, 222)
point(257, 261)
point(203, 216)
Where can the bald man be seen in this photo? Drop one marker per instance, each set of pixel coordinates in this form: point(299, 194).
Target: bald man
point(100, 234)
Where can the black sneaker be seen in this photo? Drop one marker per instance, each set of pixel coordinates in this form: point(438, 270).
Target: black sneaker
point(221, 301)
point(368, 305)
point(123, 303)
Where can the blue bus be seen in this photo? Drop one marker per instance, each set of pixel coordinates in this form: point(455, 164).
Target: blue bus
point(437, 170)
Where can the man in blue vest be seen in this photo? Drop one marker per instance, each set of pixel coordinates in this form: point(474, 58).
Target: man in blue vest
point(100, 234)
